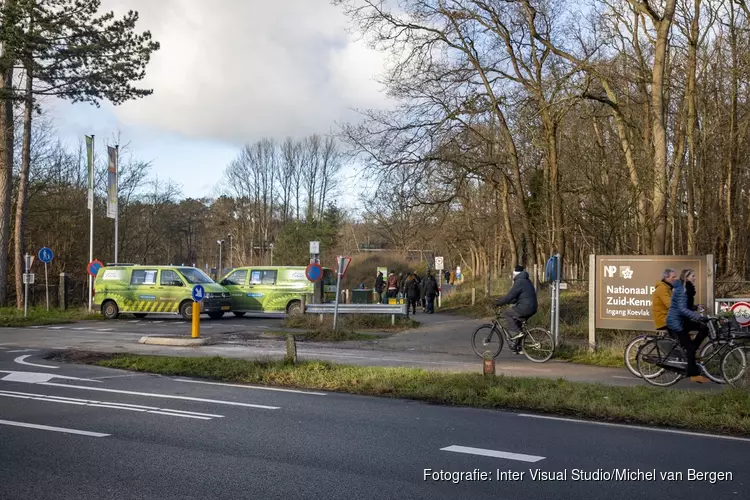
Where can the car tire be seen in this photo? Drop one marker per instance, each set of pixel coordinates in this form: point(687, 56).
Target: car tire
point(216, 315)
point(186, 310)
point(140, 315)
point(110, 309)
point(239, 314)
point(294, 308)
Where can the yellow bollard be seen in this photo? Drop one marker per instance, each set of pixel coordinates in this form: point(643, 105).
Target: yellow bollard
point(196, 319)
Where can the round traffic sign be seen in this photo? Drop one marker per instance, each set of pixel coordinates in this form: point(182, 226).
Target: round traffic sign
point(198, 293)
point(741, 312)
point(93, 267)
point(46, 255)
point(314, 272)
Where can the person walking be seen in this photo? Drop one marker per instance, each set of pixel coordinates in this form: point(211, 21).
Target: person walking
point(411, 287)
point(380, 286)
point(392, 285)
point(430, 292)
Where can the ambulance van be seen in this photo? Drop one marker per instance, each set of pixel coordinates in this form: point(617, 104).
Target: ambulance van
point(142, 290)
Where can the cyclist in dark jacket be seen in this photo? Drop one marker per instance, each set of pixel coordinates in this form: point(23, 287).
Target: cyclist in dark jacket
point(523, 295)
point(678, 319)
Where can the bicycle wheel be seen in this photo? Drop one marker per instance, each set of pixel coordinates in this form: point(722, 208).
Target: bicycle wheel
point(734, 368)
point(652, 354)
point(712, 354)
point(487, 338)
point(631, 351)
point(538, 345)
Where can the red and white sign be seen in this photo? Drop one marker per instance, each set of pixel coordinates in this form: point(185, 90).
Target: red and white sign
point(741, 312)
point(344, 265)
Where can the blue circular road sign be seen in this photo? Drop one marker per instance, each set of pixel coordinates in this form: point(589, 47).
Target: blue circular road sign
point(314, 272)
point(198, 293)
point(46, 255)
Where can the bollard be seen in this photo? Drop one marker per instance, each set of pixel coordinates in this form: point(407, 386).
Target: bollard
point(473, 296)
point(196, 330)
point(489, 363)
point(62, 292)
point(393, 319)
point(291, 349)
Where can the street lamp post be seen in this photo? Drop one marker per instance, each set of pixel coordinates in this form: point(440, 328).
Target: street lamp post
point(231, 251)
point(218, 269)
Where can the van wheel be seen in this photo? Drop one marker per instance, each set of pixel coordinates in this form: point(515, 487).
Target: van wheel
point(110, 309)
point(186, 310)
point(239, 314)
point(294, 308)
point(216, 315)
point(140, 315)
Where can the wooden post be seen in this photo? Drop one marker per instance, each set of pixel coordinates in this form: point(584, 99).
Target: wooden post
point(291, 349)
point(393, 319)
point(473, 296)
point(303, 302)
point(488, 364)
point(592, 303)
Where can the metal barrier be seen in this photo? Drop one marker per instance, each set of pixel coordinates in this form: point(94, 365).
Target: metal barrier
point(392, 309)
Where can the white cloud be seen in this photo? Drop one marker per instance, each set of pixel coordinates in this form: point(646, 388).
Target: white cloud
point(238, 70)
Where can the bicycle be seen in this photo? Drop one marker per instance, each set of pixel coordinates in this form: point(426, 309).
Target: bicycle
point(533, 340)
point(669, 357)
point(737, 376)
point(631, 351)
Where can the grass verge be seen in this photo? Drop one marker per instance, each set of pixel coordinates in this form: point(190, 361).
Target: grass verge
point(323, 335)
point(726, 411)
point(352, 324)
point(12, 317)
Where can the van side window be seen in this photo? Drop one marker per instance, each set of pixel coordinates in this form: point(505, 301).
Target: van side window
point(264, 277)
point(143, 277)
point(170, 278)
point(237, 277)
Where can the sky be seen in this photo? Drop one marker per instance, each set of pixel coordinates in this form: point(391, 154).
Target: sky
point(232, 72)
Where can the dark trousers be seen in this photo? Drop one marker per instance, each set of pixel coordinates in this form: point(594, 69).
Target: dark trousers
point(691, 345)
point(430, 304)
point(512, 321)
point(413, 304)
point(392, 293)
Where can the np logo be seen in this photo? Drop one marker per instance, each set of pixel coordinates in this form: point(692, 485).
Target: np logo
point(625, 272)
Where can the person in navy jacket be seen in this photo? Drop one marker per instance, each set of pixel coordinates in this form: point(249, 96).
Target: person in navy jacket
point(679, 318)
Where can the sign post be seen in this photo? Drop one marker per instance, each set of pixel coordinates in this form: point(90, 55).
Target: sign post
point(198, 294)
point(439, 266)
point(314, 252)
point(343, 265)
point(29, 259)
point(46, 255)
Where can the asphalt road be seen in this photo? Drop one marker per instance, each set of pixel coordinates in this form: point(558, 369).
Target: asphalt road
point(84, 432)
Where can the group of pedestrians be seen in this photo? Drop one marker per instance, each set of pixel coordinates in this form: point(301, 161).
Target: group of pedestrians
point(414, 288)
point(674, 310)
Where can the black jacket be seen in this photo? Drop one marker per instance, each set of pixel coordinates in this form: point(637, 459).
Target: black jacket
point(411, 288)
point(522, 294)
point(690, 292)
point(431, 287)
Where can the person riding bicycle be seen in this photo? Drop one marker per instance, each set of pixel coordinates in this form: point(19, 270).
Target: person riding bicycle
point(679, 319)
point(523, 296)
point(661, 299)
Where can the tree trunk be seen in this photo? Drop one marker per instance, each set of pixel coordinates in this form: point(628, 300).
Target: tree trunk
point(659, 128)
point(23, 188)
point(6, 162)
point(558, 236)
point(729, 213)
point(508, 224)
point(691, 126)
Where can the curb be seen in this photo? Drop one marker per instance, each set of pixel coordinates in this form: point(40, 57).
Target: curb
point(175, 341)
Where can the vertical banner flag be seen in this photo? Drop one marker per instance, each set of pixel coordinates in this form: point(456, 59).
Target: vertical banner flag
point(90, 158)
point(112, 183)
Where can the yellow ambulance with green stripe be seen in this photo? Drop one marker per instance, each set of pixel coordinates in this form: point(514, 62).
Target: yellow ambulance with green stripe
point(142, 290)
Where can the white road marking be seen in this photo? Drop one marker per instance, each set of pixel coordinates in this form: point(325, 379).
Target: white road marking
point(111, 405)
point(20, 361)
point(638, 427)
point(120, 376)
point(105, 329)
point(493, 453)
point(167, 396)
point(54, 429)
point(156, 322)
point(25, 350)
point(250, 387)
point(38, 377)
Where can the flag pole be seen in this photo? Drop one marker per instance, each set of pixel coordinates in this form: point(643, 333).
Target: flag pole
point(117, 197)
point(90, 158)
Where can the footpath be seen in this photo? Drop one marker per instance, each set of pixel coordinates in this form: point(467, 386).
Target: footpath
point(442, 342)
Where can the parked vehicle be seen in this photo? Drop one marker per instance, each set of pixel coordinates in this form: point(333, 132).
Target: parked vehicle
point(140, 290)
point(273, 289)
